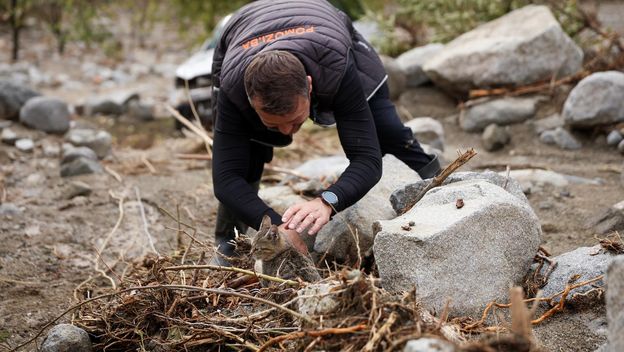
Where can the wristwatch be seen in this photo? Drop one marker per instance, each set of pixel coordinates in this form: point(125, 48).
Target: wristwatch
point(330, 198)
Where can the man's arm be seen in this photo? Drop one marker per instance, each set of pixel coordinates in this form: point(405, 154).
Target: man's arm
point(358, 137)
point(231, 166)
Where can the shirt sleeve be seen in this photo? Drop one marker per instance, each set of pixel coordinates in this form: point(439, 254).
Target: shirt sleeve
point(358, 137)
point(232, 153)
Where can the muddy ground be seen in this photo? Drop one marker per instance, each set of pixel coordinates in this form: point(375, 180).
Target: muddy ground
point(51, 247)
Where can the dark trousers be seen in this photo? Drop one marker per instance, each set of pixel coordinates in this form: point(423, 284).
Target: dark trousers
point(394, 138)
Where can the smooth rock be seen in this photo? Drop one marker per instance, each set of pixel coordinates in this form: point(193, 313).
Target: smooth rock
point(397, 81)
point(8, 136)
point(548, 123)
point(99, 141)
point(495, 137)
point(114, 104)
point(615, 304)
point(12, 97)
point(406, 194)
point(614, 138)
point(561, 138)
point(501, 111)
point(522, 47)
point(141, 111)
point(610, 220)
point(536, 179)
point(46, 114)
point(620, 147)
point(596, 100)
point(337, 238)
point(73, 153)
point(25, 145)
point(66, 338)
point(317, 299)
point(9, 209)
point(80, 166)
point(77, 188)
point(428, 101)
point(427, 130)
point(429, 344)
point(411, 63)
point(588, 262)
point(471, 254)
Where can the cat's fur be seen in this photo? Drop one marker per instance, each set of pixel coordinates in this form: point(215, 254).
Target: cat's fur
point(278, 258)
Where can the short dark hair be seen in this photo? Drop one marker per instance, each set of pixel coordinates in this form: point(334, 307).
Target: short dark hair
point(276, 77)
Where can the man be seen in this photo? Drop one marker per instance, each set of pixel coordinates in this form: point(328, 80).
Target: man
point(277, 64)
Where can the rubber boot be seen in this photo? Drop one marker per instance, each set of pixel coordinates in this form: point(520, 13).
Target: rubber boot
point(430, 170)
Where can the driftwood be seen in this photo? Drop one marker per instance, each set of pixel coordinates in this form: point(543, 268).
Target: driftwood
point(438, 180)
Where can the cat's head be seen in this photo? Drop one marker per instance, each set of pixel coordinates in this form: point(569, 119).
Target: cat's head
point(267, 242)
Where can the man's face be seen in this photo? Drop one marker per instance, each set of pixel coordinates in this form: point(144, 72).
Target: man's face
point(290, 123)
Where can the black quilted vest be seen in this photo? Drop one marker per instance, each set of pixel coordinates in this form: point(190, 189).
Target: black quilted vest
point(321, 36)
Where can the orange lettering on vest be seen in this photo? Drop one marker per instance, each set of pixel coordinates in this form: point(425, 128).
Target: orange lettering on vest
point(276, 35)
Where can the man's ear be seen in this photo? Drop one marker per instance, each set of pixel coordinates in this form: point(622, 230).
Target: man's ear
point(309, 86)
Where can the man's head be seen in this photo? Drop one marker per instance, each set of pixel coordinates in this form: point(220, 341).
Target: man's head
point(279, 90)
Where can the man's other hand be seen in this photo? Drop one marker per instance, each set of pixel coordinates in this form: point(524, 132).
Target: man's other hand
point(312, 213)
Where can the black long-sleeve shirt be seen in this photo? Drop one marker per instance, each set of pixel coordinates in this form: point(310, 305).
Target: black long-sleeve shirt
point(231, 150)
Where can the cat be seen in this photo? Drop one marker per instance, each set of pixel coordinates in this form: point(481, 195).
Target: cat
point(278, 258)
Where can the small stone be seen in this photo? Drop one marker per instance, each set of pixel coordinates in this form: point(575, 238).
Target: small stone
point(562, 138)
point(46, 114)
point(76, 189)
point(80, 166)
point(428, 344)
point(73, 153)
point(25, 145)
point(545, 205)
point(66, 338)
point(317, 299)
point(99, 141)
point(8, 136)
point(621, 147)
point(9, 209)
point(51, 150)
point(614, 138)
point(495, 137)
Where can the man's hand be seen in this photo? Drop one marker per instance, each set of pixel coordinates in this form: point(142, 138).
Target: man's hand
point(294, 239)
point(313, 213)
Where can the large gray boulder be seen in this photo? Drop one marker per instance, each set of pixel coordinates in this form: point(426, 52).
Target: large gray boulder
point(66, 338)
point(587, 263)
point(503, 111)
point(522, 47)
point(596, 100)
point(397, 81)
point(470, 251)
point(615, 304)
point(337, 238)
point(99, 141)
point(411, 63)
point(427, 101)
point(405, 195)
point(46, 114)
point(12, 97)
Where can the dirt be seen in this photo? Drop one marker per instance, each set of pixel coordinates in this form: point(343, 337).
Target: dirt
point(49, 249)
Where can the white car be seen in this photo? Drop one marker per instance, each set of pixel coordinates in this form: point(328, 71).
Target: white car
point(196, 74)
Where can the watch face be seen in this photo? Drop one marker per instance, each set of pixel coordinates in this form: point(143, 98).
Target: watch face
point(330, 197)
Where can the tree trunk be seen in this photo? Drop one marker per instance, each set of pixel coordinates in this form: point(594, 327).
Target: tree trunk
point(15, 29)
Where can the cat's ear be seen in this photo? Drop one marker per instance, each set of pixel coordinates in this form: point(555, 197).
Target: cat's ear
point(265, 225)
point(273, 232)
